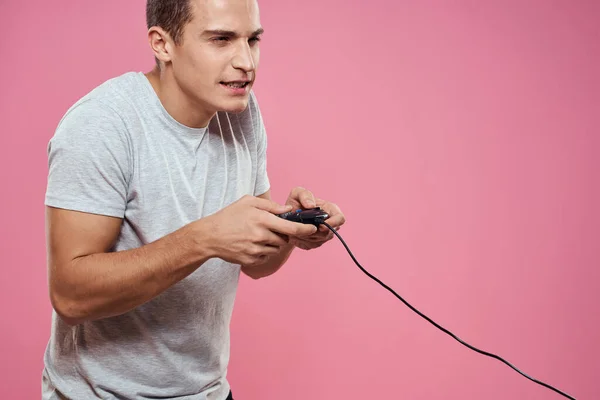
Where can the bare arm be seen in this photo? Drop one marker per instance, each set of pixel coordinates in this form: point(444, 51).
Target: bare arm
point(87, 282)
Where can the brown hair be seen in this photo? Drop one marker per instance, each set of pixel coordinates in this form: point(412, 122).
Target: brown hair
point(170, 15)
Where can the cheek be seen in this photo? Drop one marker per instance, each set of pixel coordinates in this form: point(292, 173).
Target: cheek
point(256, 57)
point(199, 70)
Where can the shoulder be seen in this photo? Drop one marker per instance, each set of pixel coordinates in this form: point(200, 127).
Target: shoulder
point(91, 134)
point(112, 99)
point(101, 114)
point(90, 123)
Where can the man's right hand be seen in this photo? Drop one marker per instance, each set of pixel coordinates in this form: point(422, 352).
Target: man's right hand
point(248, 231)
point(88, 281)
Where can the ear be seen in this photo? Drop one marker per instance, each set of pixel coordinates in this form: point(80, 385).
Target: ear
point(160, 43)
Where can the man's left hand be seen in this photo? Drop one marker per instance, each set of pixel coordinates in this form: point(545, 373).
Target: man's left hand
point(301, 198)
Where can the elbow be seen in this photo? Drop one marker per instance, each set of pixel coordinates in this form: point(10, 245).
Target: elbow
point(67, 309)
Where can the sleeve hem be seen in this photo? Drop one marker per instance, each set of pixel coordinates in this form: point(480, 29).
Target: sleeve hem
point(77, 205)
point(262, 189)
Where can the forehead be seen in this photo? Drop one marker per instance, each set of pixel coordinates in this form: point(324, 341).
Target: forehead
point(239, 15)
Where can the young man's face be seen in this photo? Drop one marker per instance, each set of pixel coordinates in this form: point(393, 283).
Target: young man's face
point(216, 63)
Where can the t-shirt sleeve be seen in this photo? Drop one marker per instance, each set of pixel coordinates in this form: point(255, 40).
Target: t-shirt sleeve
point(89, 163)
point(262, 176)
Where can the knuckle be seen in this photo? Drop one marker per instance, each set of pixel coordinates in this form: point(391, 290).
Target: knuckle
point(264, 237)
point(254, 251)
point(257, 233)
point(258, 202)
point(282, 239)
point(299, 191)
point(260, 216)
point(273, 250)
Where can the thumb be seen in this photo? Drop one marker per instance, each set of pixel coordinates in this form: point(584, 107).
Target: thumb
point(271, 206)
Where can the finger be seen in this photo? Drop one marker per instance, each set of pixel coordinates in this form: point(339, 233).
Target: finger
point(308, 245)
point(271, 206)
point(329, 236)
point(335, 221)
point(269, 250)
point(285, 238)
point(289, 228)
point(304, 197)
point(304, 245)
point(324, 229)
point(336, 217)
point(305, 230)
point(307, 199)
point(315, 239)
point(253, 261)
point(264, 250)
point(275, 239)
point(320, 236)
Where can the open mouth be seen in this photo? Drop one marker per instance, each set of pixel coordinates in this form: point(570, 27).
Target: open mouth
point(235, 84)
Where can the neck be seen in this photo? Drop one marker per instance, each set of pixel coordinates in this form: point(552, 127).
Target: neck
point(174, 100)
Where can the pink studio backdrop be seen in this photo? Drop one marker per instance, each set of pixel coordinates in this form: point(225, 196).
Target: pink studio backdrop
point(460, 138)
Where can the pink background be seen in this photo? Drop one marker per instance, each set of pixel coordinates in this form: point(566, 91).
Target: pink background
point(460, 138)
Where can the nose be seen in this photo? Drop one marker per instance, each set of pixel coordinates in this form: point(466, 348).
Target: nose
point(244, 58)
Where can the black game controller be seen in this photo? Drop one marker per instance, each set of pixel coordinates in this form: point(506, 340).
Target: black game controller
point(314, 216)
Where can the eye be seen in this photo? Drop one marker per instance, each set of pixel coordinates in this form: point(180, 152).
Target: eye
point(254, 39)
point(220, 39)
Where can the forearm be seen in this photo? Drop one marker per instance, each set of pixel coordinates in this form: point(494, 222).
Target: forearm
point(272, 265)
point(108, 284)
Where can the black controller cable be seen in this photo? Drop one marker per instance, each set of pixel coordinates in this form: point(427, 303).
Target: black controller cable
point(438, 326)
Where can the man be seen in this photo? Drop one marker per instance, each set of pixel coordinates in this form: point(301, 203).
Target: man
point(157, 198)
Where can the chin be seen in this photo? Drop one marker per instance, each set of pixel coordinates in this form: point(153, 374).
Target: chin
point(235, 105)
point(233, 100)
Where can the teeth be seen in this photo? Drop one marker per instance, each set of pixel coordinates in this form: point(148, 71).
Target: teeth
point(237, 84)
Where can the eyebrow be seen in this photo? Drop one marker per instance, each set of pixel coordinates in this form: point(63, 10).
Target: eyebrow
point(230, 34)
